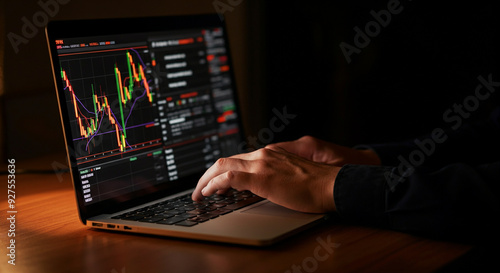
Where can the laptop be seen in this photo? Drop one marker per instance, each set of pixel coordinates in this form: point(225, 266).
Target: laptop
point(147, 105)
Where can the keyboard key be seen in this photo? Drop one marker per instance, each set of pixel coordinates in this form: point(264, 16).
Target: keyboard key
point(133, 217)
point(185, 212)
point(186, 223)
point(243, 203)
point(196, 212)
point(211, 215)
point(165, 215)
point(223, 211)
point(152, 219)
point(201, 218)
point(171, 221)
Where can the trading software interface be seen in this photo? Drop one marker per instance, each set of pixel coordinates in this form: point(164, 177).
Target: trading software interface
point(147, 108)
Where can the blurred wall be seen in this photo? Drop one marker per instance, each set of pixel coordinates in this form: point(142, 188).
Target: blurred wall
point(32, 125)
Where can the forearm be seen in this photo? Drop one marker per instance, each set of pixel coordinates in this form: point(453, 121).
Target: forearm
point(456, 201)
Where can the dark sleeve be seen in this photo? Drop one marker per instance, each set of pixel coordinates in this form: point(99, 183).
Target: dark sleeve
point(456, 202)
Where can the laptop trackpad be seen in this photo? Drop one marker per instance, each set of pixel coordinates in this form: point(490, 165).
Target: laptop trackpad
point(271, 209)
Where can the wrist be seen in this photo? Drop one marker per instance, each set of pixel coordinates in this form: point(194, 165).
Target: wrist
point(329, 202)
point(369, 157)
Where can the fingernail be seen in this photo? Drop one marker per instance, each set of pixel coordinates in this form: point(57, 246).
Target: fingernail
point(203, 191)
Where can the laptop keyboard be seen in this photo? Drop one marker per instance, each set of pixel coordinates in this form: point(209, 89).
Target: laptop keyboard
point(183, 211)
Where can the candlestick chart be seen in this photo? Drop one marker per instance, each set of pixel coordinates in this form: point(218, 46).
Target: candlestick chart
point(111, 100)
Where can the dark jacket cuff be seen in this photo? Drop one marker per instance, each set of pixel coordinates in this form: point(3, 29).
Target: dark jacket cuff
point(360, 194)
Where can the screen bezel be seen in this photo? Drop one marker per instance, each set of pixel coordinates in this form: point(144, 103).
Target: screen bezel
point(88, 28)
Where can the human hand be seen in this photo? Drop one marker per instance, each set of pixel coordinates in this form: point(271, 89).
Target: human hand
point(325, 152)
point(281, 177)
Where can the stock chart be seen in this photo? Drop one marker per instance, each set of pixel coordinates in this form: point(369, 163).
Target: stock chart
point(112, 102)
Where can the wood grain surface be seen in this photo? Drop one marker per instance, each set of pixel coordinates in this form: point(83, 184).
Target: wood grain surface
point(50, 238)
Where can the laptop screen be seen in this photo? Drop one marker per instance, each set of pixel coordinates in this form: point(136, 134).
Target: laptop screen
point(144, 109)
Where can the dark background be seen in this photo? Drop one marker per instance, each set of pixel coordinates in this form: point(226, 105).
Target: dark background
point(287, 54)
point(427, 59)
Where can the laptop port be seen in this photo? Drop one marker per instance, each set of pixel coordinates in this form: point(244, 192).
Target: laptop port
point(111, 226)
point(97, 224)
point(127, 228)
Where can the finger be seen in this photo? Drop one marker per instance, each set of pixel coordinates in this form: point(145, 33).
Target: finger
point(244, 163)
point(226, 181)
point(221, 166)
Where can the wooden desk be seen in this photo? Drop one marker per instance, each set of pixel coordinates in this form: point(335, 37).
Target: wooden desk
point(50, 238)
